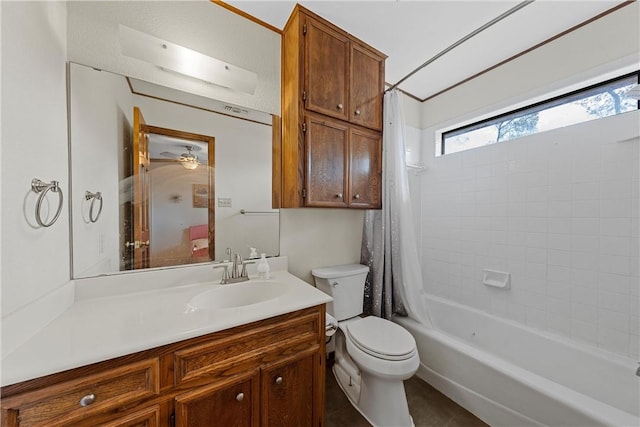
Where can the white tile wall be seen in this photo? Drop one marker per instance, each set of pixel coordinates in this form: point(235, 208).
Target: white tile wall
point(559, 211)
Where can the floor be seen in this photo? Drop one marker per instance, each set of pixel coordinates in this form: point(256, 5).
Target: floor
point(428, 407)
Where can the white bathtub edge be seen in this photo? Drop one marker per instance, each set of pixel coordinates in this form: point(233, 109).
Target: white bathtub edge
point(587, 408)
point(487, 410)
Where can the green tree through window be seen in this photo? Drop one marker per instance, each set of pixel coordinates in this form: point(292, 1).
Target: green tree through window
point(517, 127)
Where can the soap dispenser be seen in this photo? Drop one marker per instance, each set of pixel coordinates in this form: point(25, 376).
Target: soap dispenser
point(252, 253)
point(263, 268)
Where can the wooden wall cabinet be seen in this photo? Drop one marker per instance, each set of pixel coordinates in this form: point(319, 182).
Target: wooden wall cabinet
point(268, 373)
point(344, 164)
point(332, 90)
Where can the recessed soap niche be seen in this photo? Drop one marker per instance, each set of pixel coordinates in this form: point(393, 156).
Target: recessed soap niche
point(497, 279)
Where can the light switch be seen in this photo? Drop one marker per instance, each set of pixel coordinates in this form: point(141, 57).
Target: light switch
point(224, 202)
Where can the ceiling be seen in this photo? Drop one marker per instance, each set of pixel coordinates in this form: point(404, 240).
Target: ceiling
point(162, 147)
point(412, 32)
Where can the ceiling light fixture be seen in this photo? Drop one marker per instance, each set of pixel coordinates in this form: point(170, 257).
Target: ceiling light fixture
point(189, 160)
point(179, 59)
point(189, 164)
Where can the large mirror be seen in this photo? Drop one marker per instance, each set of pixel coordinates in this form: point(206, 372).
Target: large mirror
point(163, 178)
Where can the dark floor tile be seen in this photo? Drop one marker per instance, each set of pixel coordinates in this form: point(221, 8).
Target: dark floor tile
point(347, 417)
point(466, 419)
point(428, 407)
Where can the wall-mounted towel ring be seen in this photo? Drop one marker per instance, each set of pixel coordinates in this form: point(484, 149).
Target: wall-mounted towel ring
point(43, 188)
point(88, 195)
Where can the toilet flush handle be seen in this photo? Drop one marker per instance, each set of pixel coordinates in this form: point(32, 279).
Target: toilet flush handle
point(334, 284)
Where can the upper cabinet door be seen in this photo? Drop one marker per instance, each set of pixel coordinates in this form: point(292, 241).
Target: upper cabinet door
point(365, 163)
point(367, 86)
point(326, 162)
point(326, 70)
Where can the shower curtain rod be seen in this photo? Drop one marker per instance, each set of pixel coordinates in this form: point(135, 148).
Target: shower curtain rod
point(464, 39)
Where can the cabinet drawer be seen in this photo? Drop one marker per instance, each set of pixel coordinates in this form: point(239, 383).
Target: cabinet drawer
point(231, 354)
point(62, 403)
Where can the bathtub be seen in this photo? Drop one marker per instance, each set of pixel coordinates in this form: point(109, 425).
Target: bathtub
point(508, 374)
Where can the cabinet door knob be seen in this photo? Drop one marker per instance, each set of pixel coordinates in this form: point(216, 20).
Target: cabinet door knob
point(279, 380)
point(357, 196)
point(339, 195)
point(340, 106)
point(87, 400)
point(240, 397)
point(357, 112)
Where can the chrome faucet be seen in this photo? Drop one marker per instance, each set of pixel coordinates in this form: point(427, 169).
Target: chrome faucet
point(236, 273)
point(238, 270)
point(225, 274)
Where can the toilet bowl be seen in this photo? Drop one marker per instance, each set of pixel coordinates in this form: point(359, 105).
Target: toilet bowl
point(373, 356)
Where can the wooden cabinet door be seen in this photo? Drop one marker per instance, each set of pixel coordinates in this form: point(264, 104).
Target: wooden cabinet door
point(288, 391)
point(230, 403)
point(365, 164)
point(326, 70)
point(366, 87)
point(325, 162)
point(148, 417)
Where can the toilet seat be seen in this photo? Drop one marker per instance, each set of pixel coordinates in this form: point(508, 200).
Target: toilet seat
point(381, 338)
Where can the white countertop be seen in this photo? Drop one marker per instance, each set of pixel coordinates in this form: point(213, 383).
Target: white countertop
point(99, 329)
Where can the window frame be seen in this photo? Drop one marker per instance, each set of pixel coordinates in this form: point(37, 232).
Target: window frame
point(564, 98)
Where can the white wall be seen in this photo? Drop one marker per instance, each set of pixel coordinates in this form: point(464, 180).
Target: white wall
point(313, 238)
point(558, 210)
point(35, 260)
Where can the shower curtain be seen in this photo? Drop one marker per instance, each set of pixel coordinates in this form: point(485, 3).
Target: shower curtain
point(394, 284)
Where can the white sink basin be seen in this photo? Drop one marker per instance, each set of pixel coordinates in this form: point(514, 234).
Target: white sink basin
point(238, 295)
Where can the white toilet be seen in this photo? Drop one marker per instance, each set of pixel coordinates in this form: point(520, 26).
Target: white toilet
point(372, 355)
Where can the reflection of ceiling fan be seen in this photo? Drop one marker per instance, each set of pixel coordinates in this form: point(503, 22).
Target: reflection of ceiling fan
point(188, 159)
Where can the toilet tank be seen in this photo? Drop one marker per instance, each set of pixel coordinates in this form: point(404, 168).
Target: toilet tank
point(345, 283)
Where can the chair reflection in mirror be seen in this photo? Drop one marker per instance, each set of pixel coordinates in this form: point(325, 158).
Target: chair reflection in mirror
point(199, 237)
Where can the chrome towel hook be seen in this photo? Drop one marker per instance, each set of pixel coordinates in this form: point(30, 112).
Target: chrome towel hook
point(43, 188)
point(88, 195)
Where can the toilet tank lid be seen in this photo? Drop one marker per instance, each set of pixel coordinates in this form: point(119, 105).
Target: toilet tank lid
point(335, 271)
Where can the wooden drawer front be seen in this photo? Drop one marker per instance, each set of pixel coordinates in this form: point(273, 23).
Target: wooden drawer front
point(236, 353)
point(60, 404)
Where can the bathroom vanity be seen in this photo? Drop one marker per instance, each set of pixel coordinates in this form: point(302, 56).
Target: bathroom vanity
point(263, 372)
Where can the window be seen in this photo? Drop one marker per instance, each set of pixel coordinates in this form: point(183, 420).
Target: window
point(600, 100)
